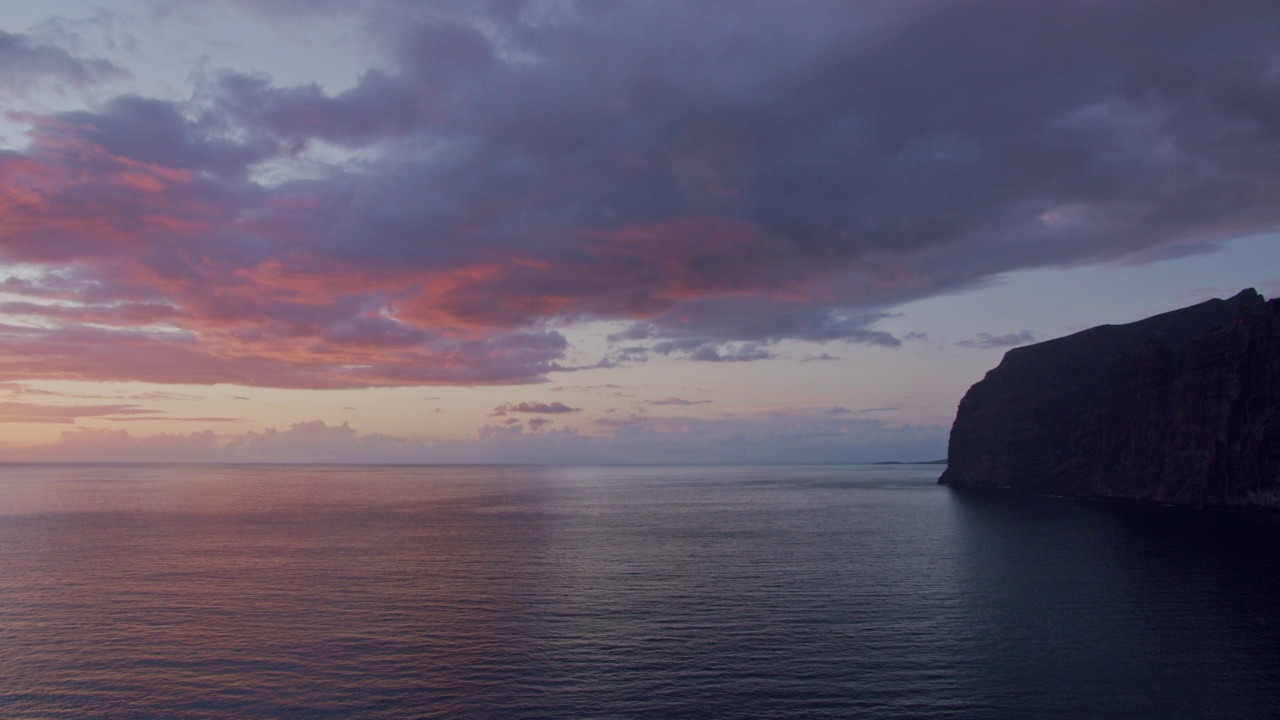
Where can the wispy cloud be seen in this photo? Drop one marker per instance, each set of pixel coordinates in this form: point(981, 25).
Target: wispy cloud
point(171, 418)
point(540, 408)
point(28, 61)
point(986, 340)
point(39, 413)
point(676, 401)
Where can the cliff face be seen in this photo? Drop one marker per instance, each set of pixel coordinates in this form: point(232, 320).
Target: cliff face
point(1195, 427)
point(1024, 423)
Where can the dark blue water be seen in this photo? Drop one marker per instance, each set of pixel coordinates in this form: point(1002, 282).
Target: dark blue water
point(798, 592)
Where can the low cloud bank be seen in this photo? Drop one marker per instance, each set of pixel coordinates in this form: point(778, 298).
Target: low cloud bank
point(789, 437)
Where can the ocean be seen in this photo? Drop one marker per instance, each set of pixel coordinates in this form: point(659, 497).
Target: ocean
point(153, 591)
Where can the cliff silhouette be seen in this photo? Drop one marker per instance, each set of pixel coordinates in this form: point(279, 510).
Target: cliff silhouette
point(1182, 407)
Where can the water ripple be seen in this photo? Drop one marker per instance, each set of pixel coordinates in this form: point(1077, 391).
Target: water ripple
point(334, 592)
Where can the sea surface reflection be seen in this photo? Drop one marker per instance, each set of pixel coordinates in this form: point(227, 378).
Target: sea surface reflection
point(538, 592)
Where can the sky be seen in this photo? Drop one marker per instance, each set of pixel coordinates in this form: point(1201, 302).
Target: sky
point(581, 232)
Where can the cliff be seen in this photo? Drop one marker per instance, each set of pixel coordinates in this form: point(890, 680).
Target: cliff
point(1120, 410)
point(1196, 427)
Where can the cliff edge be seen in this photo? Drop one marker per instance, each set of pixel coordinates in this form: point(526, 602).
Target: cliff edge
point(1182, 407)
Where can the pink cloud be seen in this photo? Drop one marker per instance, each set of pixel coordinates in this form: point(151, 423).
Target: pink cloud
point(67, 190)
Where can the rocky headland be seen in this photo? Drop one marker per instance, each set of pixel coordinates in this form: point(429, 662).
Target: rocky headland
point(1182, 407)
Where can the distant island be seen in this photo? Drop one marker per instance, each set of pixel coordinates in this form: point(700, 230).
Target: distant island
point(919, 462)
point(1180, 408)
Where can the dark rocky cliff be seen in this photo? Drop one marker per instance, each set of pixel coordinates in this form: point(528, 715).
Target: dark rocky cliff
point(1196, 427)
point(1040, 419)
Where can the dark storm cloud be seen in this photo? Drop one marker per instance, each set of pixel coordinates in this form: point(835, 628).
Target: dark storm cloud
point(721, 175)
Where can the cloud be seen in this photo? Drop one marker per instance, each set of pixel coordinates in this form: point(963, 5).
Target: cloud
point(22, 412)
point(507, 429)
point(161, 395)
point(706, 351)
point(799, 436)
point(720, 177)
point(170, 418)
point(741, 353)
point(304, 442)
point(15, 388)
point(376, 108)
point(313, 439)
point(676, 401)
point(243, 356)
point(607, 388)
point(985, 340)
point(86, 444)
point(28, 61)
point(541, 408)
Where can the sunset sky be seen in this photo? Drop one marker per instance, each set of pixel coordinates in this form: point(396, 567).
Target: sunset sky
point(553, 231)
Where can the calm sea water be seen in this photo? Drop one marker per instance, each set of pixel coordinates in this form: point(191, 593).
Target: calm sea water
point(500, 592)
